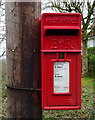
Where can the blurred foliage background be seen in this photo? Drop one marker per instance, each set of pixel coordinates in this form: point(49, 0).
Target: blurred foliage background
point(91, 62)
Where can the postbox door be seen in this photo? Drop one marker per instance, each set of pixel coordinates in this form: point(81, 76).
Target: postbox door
point(69, 95)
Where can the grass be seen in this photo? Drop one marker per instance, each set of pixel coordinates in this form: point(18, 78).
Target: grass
point(87, 110)
point(3, 90)
point(4, 97)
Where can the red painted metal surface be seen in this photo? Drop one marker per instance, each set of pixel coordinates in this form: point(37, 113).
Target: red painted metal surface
point(61, 35)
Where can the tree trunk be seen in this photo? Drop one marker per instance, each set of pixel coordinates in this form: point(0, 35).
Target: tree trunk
point(84, 59)
point(23, 60)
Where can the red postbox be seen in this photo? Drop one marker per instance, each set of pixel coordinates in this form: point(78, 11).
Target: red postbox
point(61, 61)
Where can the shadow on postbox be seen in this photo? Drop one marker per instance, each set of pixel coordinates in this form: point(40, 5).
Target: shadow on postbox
point(61, 61)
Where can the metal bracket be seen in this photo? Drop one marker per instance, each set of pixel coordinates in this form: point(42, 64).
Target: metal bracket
point(25, 89)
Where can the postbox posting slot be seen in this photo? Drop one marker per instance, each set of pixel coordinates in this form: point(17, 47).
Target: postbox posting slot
point(61, 32)
point(57, 31)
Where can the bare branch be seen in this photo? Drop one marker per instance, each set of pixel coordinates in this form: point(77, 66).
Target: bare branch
point(90, 12)
point(2, 54)
point(92, 31)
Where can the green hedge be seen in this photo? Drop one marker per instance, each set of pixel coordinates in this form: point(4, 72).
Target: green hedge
point(91, 61)
point(91, 50)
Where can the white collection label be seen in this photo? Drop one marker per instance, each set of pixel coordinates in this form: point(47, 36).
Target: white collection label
point(61, 77)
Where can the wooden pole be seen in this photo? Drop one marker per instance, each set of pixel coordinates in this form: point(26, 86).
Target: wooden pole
point(23, 60)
